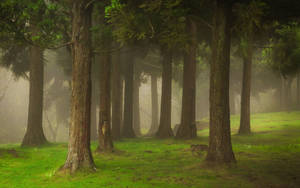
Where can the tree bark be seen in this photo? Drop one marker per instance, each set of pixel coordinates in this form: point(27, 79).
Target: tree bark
point(79, 152)
point(154, 106)
point(34, 135)
point(164, 129)
point(136, 105)
point(117, 95)
point(246, 90)
point(187, 128)
point(127, 131)
point(220, 148)
point(104, 130)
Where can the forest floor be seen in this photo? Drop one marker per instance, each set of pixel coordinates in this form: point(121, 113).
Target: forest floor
point(270, 157)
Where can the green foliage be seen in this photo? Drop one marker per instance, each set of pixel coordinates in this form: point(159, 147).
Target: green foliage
point(285, 55)
point(268, 158)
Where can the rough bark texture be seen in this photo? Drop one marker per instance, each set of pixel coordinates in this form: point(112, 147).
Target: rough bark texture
point(117, 95)
point(34, 135)
point(136, 105)
point(127, 130)
point(246, 90)
point(220, 148)
point(104, 130)
point(154, 106)
point(187, 128)
point(165, 130)
point(79, 152)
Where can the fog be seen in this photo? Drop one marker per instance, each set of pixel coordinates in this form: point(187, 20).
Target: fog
point(267, 95)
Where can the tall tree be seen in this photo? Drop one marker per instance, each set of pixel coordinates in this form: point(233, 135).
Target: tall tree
point(154, 105)
point(136, 103)
point(79, 152)
point(187, 128)
point(127, 130)
point(117, 95)
point(220, 148)
point(164, 129)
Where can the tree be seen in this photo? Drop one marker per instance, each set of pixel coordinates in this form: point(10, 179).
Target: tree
point(220, 148)
point(164, 129)
point(249, 20)
point(30, 25)
point(187, 128)
point(79, 152)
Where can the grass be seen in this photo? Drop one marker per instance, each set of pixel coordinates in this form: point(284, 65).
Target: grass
point(270, 157)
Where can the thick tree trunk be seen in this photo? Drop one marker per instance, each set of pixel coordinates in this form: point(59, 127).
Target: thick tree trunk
point(79, 152)
point(127, 130)
point(117, 95)
point(154, 106)
point(136, 105)
point(34, 135)
point(246, 90)
point(220, 148)
point(165, 130)
point(104, 130)
point(187, 128)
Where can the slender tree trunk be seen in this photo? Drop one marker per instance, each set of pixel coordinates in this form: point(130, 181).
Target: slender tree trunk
point(187, 128)
point(34, 135)
point(220, 148)
point(246, 90)
point(122, 96)
point(79, 152)
point(117, 95)
point(94, 119)
point(154, 105)
point(136, 105)
point(232, 102)
point(127, 130)
point(104, 130)
point(165, 130)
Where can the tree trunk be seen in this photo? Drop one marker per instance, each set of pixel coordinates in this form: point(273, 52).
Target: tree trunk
point(94, 118)
point(187, 128)
point(104, 131)
point(136, 105)
point(220, 148)
point(34, 135)
point(232, 102)
point(79, 152)
point(154, 105)
point(246, 90)
point(117, 95)
point(127, 130)
point(165, 130)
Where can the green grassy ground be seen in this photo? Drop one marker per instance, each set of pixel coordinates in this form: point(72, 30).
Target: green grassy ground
point(268, 158)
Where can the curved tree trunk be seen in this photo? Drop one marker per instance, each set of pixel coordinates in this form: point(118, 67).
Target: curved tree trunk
point(187, 128)
point(104, 130)
point(154, 105)
point(79, 152)
point(34, 135)
point(136, 105)
point(220, 148)
point(165, 130)
point(246, 91)
point(127, 130)
point(117, 95)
